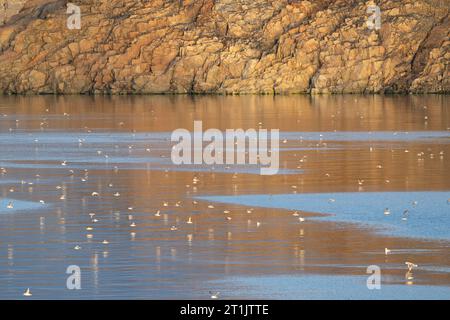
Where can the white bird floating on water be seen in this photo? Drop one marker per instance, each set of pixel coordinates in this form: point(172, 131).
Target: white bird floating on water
point(10, 205)
point(214, 295)
point(77, 247)
point(410, 265)
point(94, 194)
point(173, 228)
point(27, 293)
point(105, 241)
point(387, 212)
point(189, 221)
point(158, 214)
point(386, 251)
point(301, 219)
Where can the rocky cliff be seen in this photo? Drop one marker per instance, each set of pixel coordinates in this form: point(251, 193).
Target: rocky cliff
point(224, 46)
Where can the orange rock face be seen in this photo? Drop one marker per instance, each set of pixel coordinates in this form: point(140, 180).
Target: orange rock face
point(224, 46)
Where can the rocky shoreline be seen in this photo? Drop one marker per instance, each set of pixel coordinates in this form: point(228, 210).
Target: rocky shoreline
point(224, 47)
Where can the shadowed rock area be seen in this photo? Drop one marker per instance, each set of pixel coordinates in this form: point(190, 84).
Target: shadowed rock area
point(224, 46)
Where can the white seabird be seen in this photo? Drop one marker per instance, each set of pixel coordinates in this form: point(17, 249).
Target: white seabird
point(410, 265)
point(405, 215)
point(27, 293)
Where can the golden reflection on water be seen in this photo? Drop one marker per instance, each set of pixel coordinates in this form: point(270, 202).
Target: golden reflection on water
point(289, 113)
point(263, 241)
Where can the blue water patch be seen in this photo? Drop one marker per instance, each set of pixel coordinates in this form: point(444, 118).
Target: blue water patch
point(72, 162)
point(99, 137)
point(323, 287)
point(428, 214)
point(422, 136)
point(8, 181)
point(68, 137)
point(18, 205)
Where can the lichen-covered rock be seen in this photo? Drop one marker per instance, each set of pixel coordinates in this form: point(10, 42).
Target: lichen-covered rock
point(224, 46)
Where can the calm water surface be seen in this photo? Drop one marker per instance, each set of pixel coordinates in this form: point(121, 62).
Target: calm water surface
point(344, 160)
